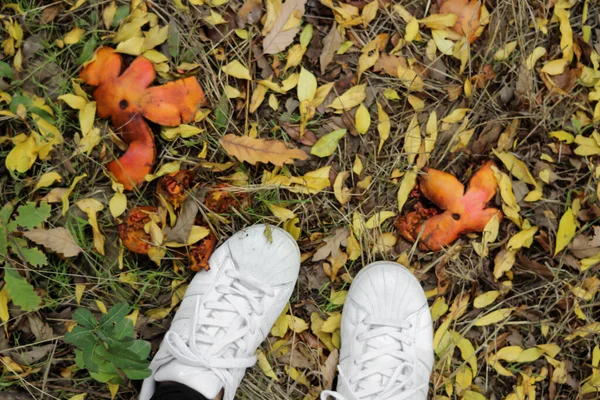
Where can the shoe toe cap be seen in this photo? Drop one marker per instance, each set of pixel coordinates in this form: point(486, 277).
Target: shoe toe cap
point(387, 290)
point(267, 253)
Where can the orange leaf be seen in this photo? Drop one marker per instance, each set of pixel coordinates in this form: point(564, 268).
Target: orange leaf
point(468, 13)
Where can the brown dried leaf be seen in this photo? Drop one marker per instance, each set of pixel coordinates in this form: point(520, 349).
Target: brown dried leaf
point(250, 13)
point(332, 244)
point(58, 240)
point(331, 43)
point(255, 150)
point(329, 369)
point(308, 139)
point(277, 39)
point(49, 14)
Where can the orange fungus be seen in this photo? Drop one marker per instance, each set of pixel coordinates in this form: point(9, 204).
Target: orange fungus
point(126, 98)
point(463, 212)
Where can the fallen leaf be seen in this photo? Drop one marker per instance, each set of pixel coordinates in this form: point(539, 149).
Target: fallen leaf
point(255, 150)
point(331, 44)
point(326, 145)
point(279, 38)
point(58, 240)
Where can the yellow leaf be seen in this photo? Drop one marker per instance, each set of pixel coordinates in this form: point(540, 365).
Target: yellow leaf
point(383, 126)
point(363, 119)
point(385, 243)
point(563, 136)
point(535, 55)
point(48, 179)
point(237, 70)
point(369, 13)
point(503, 262)
point(378, 219)
point(529, 355)
point(485, 299)
point(410, 79)
point(79, 290)
point(555, 67)
point(113, 389)
point(506, 51)
point(307, 85)
point(463, 379)
point(439, 21)
point(391, 94)
point(438, 308)
point(341, 193)
point(326, 145)
point(232, 93)
point(133, 46)
point(91, 207)
point(409, 181)
point(167, 168)
point(522, 239)
point(493, 317)
point(357, 167)
point(197, 233)
point(332, 323)
point(281, 212)
point(23, 155)
point(516, 167)
point(456, 115)
point(101, 306)
point(117, 204)
point(264, 365)
point(86, 117)
point(257, 97)
point(65, 196)
point(350, 99)
point(215, 18)
point(412, 30)
point(4, 315)
point(368, 59)
point(297, 324)
point(291, 227)
point(108, 14)
point(552, 349)
point(281, 325)
point(566, 230)
point(416, 103)
point(273, 102)
point(74, 36)
point(322, 93)
point(412, 140)
point(74, 101)
point(440, 38)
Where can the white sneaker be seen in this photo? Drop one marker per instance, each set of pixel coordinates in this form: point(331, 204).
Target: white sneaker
point(227, 312)
point(387, 337)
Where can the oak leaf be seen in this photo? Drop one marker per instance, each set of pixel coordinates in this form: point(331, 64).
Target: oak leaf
point(255, 150)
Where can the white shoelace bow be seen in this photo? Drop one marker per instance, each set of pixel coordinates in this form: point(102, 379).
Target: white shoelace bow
point(225, 350)
point(397, 378)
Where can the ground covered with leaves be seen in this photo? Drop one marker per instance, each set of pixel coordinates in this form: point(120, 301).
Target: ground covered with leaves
point(351, 124)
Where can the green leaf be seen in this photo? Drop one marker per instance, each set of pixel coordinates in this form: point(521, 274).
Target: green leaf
point(81, 337)
point(85, 318)
point(5, 214)
point(32, 256)
point(88, 50)
point(121, 13)
point(20, 291)
point(137, 374)
point(31, 216)
point(123, 330)
point(328, 143)
point(115, 314)
point(6, 71)
point(173, 40)
point(142, 348)
point(126, 359)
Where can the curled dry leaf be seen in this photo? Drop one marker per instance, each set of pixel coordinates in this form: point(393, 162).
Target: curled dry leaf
point(463, 211)
point(126, 98)
point(468, 12)
point(279, 37)
point(255, 150)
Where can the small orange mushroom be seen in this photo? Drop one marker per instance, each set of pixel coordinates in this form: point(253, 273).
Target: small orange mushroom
point(468, 12)
point(463, 211)
point(132, 231)
point(126, 98)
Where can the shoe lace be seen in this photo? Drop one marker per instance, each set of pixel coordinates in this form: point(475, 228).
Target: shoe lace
point(386, 367)
point(215, 342)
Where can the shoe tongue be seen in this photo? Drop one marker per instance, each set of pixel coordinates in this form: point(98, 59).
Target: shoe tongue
point(201, 380)
point(385, 362)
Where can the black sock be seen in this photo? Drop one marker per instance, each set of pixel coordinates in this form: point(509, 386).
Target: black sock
point(175, 391)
